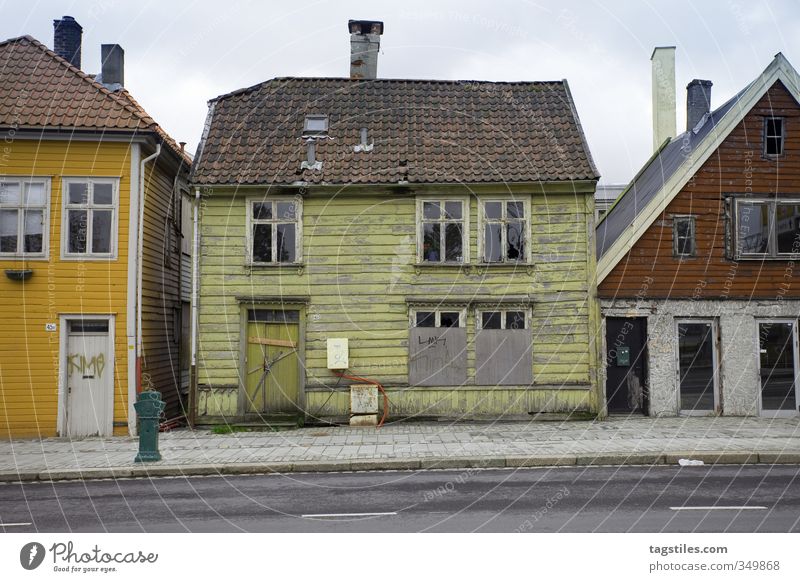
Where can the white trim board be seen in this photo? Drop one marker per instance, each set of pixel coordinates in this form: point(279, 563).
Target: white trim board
point(778, 70)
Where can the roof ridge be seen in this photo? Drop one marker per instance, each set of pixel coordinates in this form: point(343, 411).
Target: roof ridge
point(261, 84)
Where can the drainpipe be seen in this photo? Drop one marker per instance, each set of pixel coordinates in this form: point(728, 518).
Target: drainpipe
point(195, 275)
point(139, 254)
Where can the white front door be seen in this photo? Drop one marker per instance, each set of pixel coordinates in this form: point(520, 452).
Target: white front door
point(89, 378)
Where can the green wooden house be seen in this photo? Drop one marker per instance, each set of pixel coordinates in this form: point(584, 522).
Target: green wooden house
point(443, 228)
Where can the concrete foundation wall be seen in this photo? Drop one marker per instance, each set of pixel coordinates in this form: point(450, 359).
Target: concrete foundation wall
point(738, 355)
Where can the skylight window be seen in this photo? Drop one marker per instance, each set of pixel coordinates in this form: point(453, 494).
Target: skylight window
point(315, 125)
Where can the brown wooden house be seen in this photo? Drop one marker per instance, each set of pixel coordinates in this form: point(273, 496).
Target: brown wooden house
point(698, 262)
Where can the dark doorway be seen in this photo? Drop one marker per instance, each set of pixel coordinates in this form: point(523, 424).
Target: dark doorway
point(626, 364)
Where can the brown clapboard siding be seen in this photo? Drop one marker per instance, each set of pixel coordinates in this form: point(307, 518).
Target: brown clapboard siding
point(160, 290)
point(736, 167)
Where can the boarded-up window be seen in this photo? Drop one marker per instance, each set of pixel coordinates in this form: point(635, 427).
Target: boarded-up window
point(437, 348)
point(503, 355)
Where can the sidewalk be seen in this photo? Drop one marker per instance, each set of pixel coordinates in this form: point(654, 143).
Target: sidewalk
point(617, 441)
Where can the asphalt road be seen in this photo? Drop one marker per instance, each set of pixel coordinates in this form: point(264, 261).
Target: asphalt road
point(617, 499)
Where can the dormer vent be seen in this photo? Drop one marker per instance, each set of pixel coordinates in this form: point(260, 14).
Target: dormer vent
point(363, 145)
point(311, 163)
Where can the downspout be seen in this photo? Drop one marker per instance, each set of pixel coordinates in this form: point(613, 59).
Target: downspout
point(139, 254)
point(195, 275)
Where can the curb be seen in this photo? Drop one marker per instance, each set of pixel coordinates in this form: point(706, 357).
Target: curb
point(407, 464)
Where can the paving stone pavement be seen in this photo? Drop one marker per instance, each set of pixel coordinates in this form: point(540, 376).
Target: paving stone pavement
point(616, 440)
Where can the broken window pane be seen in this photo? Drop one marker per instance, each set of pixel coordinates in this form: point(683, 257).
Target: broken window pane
point(493, 210)
point(449, 319)
point(753, 227)
point(426, 319)
point(8, 231)
point(34, 229)
point(515, 241)
point(684, 236)
point(262, 243)
point(34, 194)
point(431, 242)
point(262, 210)
point(452, 210)
point(515, 210)
point(515, 320)
point(286, 243)
point(103, 193)
point(9, 192)
point(453, 242)
point(491, 320)
point(77, 231)
point(787, 228)
point(286, 210)
point(773, 136)
point(78, 192)
point(101, 231)
point(492, 245)
point(431, 210)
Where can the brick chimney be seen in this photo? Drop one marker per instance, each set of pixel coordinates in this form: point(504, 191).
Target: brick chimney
point(698, 101)
point(365, 42)
point(664, 111)
point(67, 35)
point(112, 67)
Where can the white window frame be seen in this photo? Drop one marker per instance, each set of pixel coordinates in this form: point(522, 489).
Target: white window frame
point(772, 245)
point(465, 238)
point(89, 207)
point(462, 315)
point(782, 136)
point(504, 311)
point(526, 209)
point(21, 207)
point(298, 250)
point(675, 246)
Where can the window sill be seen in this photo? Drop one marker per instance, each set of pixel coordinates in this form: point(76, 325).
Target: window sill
point(787, 257)
point(299, 267)
point(105, 258)
point(476, 268)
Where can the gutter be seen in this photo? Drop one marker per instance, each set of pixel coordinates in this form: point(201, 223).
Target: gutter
point(139, 254)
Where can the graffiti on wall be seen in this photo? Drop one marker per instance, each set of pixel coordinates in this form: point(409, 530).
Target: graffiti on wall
point(87, 366)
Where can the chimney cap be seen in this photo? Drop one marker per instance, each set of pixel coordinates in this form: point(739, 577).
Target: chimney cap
point(660, 48)
point(365, 26)
point(67, 20)
point(703, 82)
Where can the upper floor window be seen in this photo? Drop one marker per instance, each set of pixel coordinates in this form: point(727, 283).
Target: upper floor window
point(90, 217)
point(24, 217)
point(683, 236)
point(773, 136)
point(505, 231)
point(442, 231)
point(439, 318)
point(767, 228)
point(274, 231)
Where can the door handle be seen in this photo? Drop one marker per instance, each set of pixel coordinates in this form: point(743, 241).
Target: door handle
point(85, 377)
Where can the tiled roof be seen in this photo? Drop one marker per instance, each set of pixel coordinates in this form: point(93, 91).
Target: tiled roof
point(423, 132)
point(40, 90)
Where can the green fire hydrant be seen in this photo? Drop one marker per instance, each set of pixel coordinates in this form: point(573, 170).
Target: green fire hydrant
point(148, 410)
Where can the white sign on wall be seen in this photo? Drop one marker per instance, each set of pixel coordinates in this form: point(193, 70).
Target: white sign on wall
point(50, 327)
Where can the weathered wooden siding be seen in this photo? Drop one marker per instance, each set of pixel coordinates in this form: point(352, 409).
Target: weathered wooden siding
point(359, 254)
point(649, 270)
point(161, 285)
point(29, 356)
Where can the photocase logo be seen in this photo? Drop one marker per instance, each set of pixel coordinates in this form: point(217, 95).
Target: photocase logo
point(31, 555)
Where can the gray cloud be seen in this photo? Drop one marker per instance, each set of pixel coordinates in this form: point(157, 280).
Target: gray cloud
point(179, 55)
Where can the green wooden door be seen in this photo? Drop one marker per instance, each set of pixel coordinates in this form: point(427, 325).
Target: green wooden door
point(272, 365)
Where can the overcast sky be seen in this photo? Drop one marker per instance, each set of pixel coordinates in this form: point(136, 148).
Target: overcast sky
point(180, 54)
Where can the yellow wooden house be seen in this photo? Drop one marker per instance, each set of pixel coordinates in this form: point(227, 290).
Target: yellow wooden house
point(94, 251)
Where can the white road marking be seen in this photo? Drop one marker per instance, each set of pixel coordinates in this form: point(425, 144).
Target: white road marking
point(710, 507)
point(348, 514)
point(14, 524)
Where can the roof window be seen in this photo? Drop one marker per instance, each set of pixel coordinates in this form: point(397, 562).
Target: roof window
point(315, 126)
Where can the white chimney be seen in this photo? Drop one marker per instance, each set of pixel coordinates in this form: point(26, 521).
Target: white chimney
point(664, 115)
